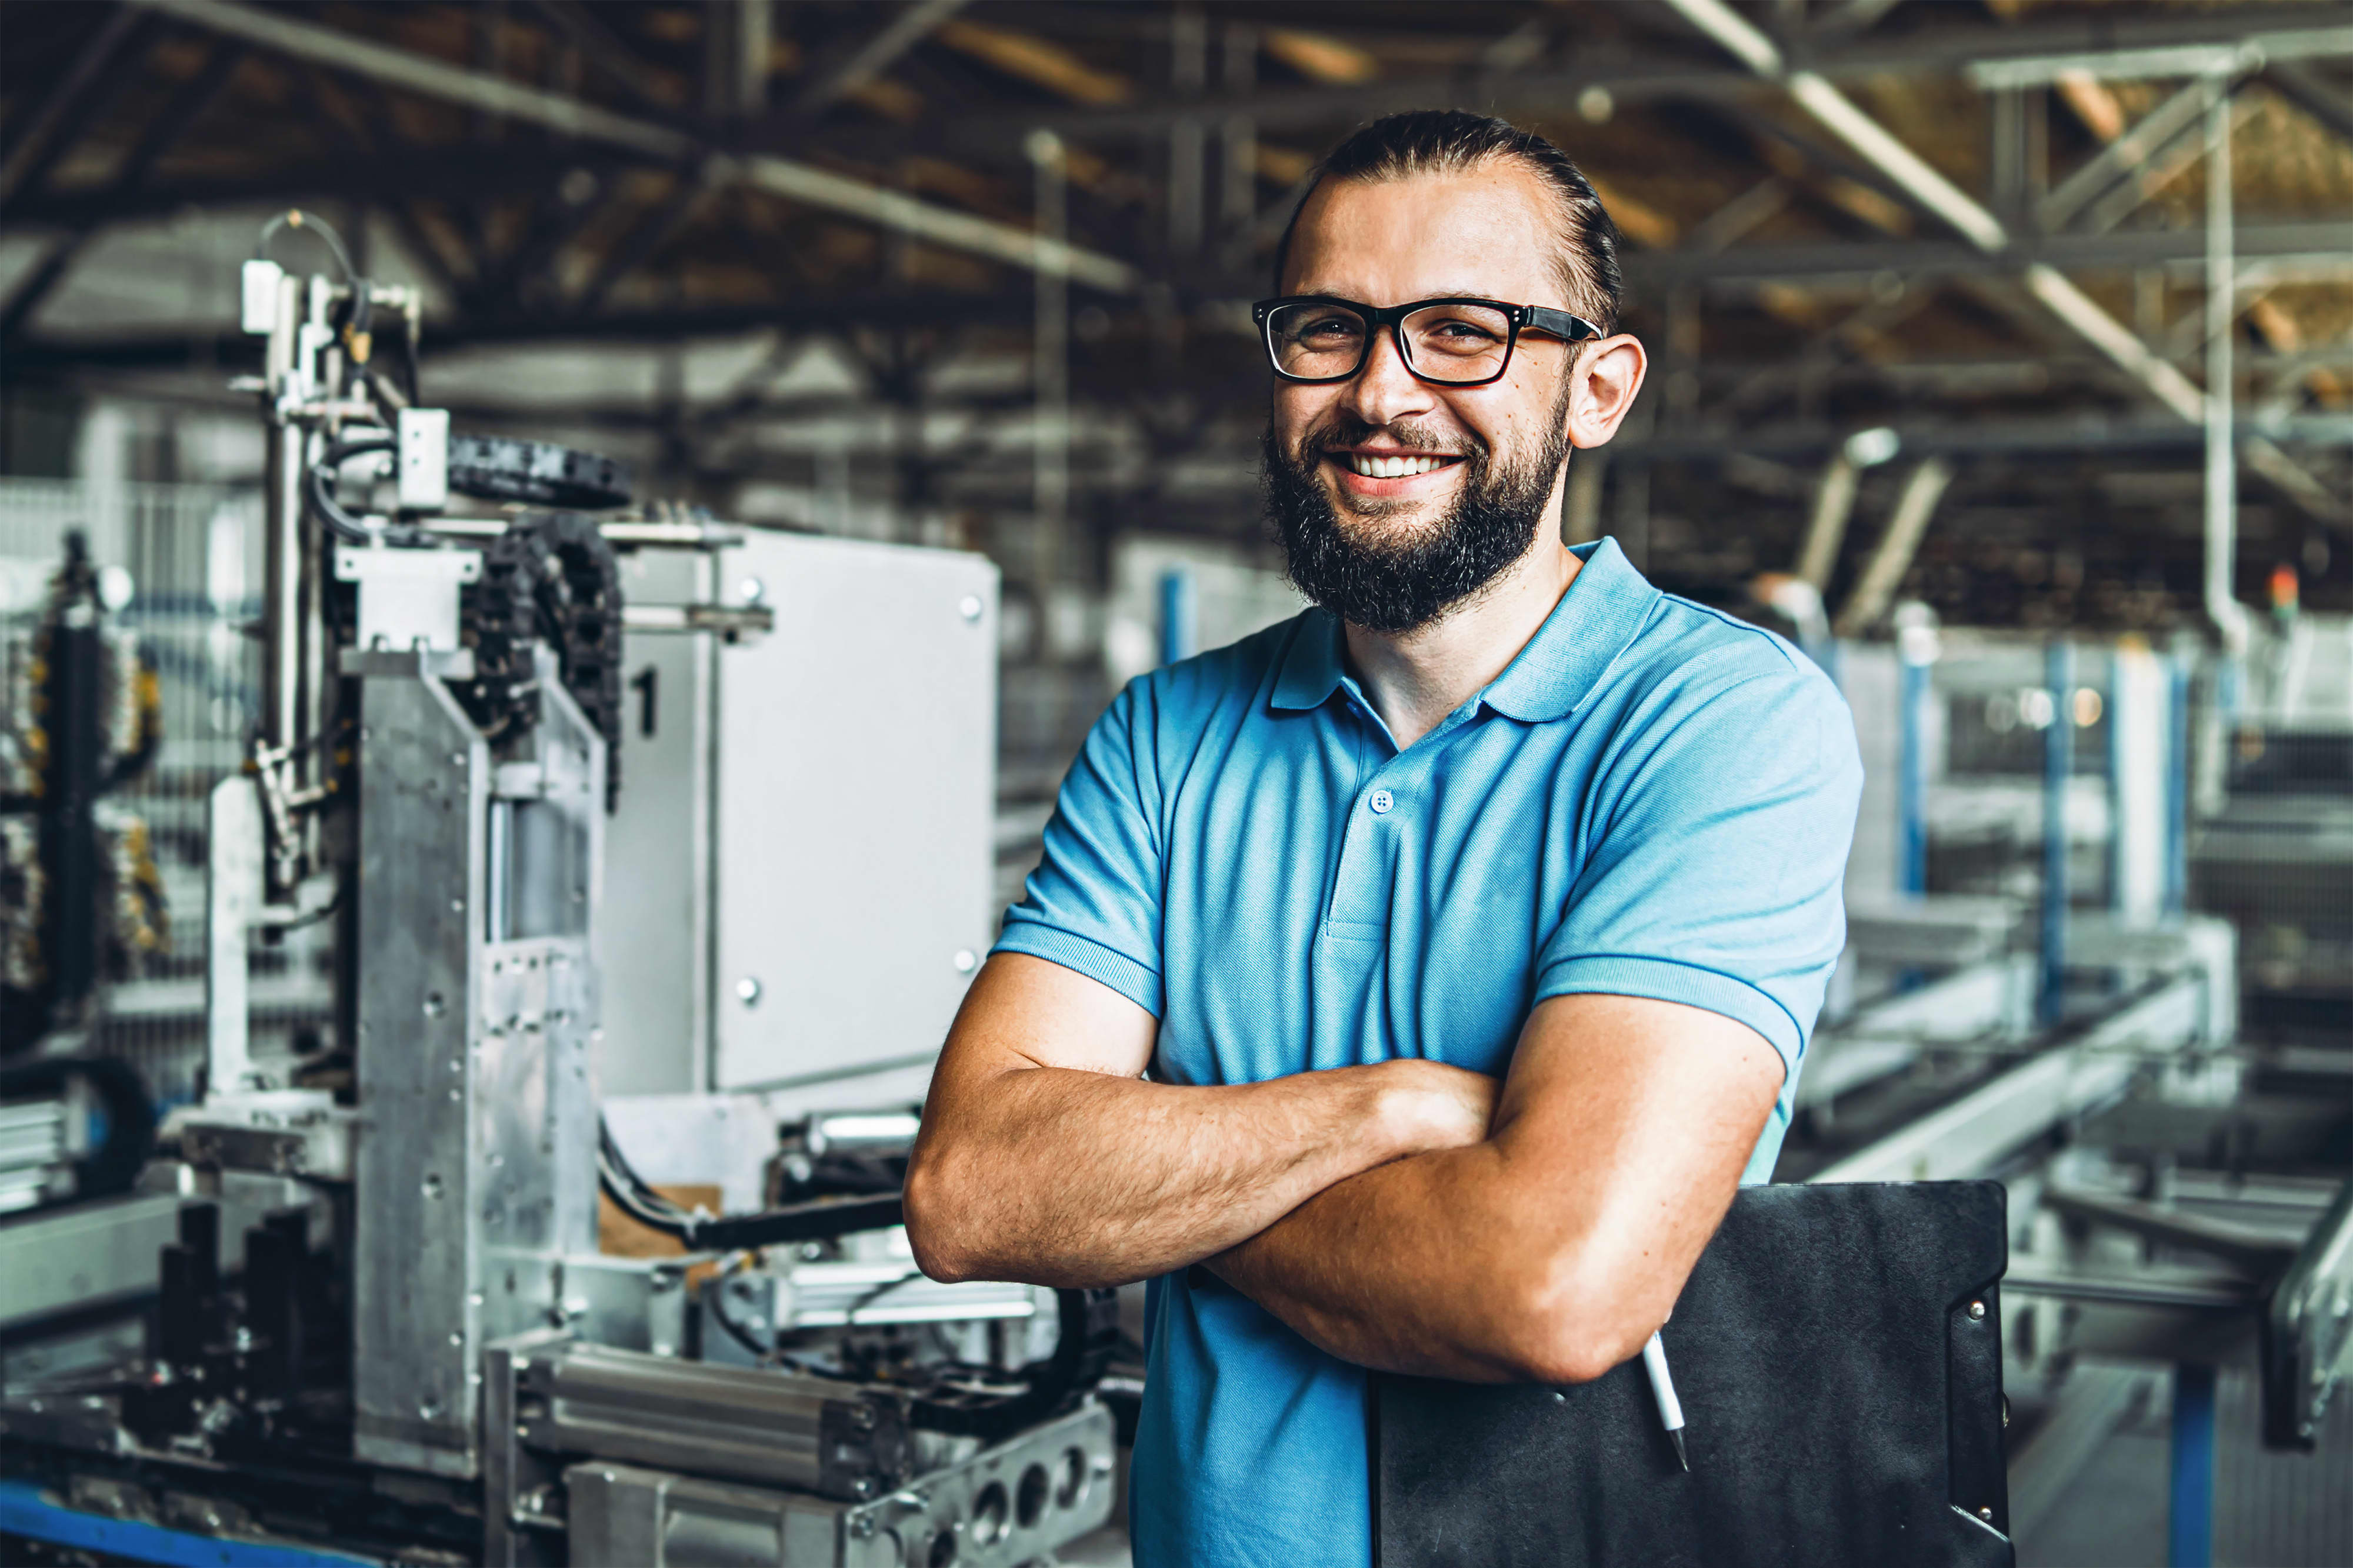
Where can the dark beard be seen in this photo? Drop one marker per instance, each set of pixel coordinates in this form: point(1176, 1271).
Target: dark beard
point(1397, 587)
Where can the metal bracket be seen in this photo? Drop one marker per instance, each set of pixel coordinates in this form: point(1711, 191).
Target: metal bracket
point(408, 598)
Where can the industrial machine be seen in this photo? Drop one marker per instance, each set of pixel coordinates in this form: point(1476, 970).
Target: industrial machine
point(361, 1304)
point(2026, 996)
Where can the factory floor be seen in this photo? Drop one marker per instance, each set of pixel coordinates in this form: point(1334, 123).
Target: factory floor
point(2114, 1515)
point(2271, 1509)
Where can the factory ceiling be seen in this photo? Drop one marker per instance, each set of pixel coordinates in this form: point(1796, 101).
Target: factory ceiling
point(1986, 224)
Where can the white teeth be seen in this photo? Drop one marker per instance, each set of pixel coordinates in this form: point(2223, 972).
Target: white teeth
point(1391, 467)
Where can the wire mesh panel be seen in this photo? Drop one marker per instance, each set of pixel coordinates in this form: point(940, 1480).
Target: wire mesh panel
point(194, 556)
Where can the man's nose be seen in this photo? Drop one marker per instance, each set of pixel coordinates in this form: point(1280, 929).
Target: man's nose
point(1385, 391)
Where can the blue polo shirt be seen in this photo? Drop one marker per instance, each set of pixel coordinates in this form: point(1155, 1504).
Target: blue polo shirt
point(1654, 799)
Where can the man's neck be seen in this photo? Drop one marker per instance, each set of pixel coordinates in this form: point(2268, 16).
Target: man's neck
point(1414, 679)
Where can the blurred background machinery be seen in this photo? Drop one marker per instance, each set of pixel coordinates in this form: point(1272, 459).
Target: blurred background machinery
point(2001, 357)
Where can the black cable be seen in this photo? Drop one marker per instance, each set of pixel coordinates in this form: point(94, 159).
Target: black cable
point(1090, 1332)
point(712, 1299)
point(817, 1220)
point(667, 1219)
point(310, 223)
point(318, 489)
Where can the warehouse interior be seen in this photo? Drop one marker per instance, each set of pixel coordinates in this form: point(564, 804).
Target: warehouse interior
point(555, 554)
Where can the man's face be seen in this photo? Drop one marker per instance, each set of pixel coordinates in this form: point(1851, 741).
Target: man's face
point(1391, 552)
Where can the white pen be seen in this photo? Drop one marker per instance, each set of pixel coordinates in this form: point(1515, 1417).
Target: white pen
point(1671, 1410)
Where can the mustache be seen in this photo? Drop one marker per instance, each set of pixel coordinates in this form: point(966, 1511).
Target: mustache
point(1346, 430)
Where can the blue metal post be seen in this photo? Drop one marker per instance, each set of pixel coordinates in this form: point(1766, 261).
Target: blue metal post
point(2176, 790)
point(2189, 1535)
point(1913, 695)
point(1180, 616)
point(2058, 767)
point(2118, 728)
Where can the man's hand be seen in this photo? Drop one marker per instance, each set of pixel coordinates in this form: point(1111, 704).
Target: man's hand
point(1550, 1250)
point(1045, 1159)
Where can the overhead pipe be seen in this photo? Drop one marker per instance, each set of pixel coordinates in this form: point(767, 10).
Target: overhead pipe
point(2222, 607)
point(1923, 488)
point(1834, 502)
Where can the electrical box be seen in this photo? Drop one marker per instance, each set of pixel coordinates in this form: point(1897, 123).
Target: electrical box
point(799, 876)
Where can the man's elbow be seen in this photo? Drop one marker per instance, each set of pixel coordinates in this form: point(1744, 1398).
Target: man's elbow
point(935, 1216)
point(1563, 1327)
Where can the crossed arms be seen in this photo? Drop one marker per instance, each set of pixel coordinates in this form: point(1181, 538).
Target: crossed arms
point(1404, 1216)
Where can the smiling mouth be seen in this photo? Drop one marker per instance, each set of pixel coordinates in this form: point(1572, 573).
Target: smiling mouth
point(1373, 466)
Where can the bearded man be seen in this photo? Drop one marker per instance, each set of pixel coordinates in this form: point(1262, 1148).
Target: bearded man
point(1411, 985)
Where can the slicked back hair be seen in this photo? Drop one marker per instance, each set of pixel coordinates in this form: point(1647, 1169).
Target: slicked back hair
point(1449, 142)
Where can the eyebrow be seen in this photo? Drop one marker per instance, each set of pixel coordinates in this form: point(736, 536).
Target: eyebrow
point(1441, 294)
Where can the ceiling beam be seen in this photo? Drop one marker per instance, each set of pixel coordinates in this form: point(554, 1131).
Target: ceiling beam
point(2047, 435)
point(2320, 249)
point(2331, 103)
point(1631, 77)
point(2250, 45)
point(653, 88)
point(798, 181)
point(870, 59)
point(2123, 155)
point(76, 92)
point(2049, 287)
point(159, 136)
point(520, 169)
point(878, 307)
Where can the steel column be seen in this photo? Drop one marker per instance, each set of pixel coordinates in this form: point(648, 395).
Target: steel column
point(2058, 768)
point(2177, 786)
point(1052, 347)
point(1180, 616)
point(1916, 662)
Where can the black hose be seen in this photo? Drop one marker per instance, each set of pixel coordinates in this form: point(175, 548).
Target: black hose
point(319, 488)
point(1090, 1332)
point(817, 1220)
point(735, 1330)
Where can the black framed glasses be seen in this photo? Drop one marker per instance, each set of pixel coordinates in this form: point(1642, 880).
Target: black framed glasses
point(1317, 337)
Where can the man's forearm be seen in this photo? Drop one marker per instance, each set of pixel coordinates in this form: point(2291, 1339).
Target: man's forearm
point(1550, 1250)
point(1063, 1177)
point(1408, 1268)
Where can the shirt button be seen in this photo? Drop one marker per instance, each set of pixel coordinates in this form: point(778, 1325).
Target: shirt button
point(1382, 800)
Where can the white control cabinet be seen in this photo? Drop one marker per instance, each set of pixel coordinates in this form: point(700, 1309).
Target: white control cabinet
point(820, 801)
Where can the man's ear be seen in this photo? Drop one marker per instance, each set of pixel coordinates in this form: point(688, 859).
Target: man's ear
point(1604, 381)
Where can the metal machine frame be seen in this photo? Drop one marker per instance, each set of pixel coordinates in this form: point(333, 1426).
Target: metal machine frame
point(394, 1294)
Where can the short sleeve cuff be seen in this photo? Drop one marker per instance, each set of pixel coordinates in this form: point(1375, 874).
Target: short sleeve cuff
point(1665, 980)
point(1124, 974)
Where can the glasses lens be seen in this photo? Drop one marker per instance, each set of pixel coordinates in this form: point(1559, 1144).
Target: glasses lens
point(1456, 343)
point(1312, 340)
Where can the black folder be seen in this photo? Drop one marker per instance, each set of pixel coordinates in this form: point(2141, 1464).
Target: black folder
point(1838, 1354)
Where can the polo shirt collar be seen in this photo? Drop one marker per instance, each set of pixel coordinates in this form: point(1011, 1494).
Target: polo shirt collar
point(1596, 619)
point(1604, 608)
